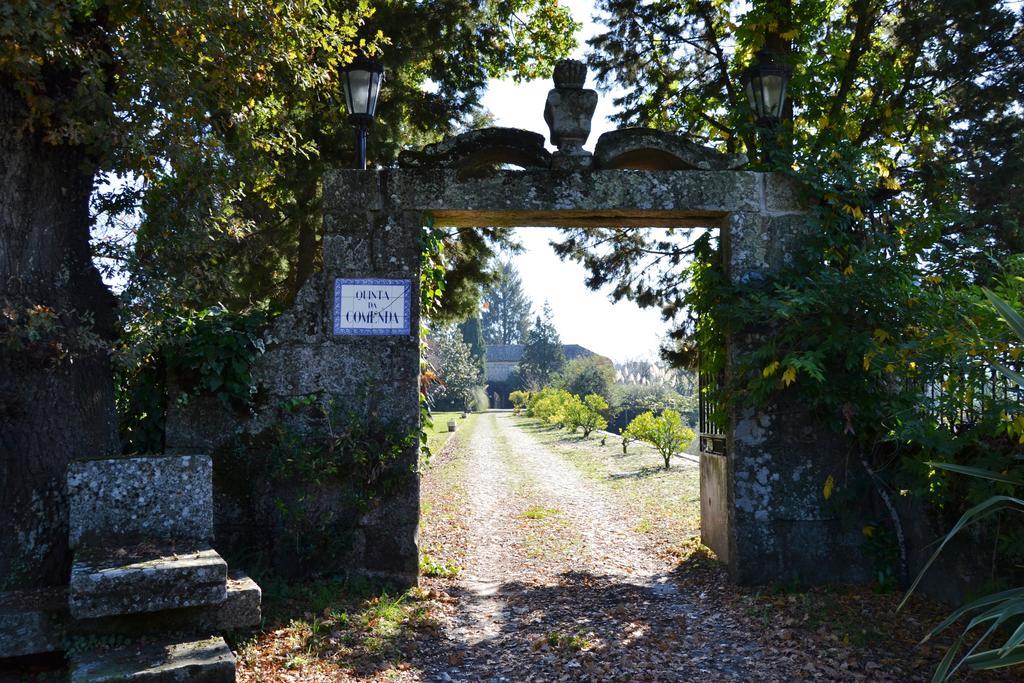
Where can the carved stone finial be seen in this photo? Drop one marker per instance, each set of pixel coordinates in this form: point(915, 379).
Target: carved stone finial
point(568, 111)
point(570, 74)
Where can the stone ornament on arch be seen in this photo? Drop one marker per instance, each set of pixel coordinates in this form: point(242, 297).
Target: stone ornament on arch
point(477, 152)
point(647, 149)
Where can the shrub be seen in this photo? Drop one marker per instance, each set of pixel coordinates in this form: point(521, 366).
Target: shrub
point(519, 399)
point(667, 433)
point(548, 405)
point(988, 612)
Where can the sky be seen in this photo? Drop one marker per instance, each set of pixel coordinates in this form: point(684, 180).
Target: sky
point(619, 331)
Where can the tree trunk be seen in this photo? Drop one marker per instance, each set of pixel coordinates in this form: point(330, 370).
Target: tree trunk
point(305, 261)
point(56, 326)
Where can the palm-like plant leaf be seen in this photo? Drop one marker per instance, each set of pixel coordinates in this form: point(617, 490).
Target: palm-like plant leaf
point(1000, 608)
point(1011, 316)
point(975, 472)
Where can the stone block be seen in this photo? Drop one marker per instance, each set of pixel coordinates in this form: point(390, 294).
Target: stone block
point(481, 150)
point(348, 189)
point(240, 610)
point(782, 194)
point(198, 426)
point(208, 660)
point(37, 621)
point(32, 621)
point(127, 500)
point(147, 578)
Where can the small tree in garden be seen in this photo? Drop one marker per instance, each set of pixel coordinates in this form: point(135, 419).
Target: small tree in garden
point(627, 438)
point(589, 414)
point(519, 400)
point(667, 433)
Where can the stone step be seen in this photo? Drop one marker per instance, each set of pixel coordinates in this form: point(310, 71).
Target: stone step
point(32, 621)
point(36, 622)
point(240, 610)
point(144, 578)
point(208, 660)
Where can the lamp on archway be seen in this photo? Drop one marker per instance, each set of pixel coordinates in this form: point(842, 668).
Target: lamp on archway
point(765, 82)
point(361, 81)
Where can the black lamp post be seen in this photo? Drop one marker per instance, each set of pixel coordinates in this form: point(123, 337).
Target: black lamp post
point(766, 81)
point(361, 81)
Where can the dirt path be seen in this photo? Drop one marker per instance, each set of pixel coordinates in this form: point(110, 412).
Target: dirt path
point(558, 584)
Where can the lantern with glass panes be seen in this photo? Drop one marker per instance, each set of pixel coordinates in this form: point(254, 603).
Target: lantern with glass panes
point(765, 82)
point(361, 81)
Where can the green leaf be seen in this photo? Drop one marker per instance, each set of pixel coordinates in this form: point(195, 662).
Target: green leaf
point(1011, 316)
point(1011, 375)
point(974, 472)
point(1015, 639)
point(942, 670)
point(972, 516)
point(994, 659)
point(981, 602)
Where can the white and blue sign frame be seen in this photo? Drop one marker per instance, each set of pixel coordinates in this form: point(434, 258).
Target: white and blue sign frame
point(403, 329)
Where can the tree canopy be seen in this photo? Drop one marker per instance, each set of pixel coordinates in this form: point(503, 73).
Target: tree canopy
point(542, 353)
point(506, 316)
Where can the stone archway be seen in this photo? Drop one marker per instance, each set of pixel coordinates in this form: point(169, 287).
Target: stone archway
point(762, 503)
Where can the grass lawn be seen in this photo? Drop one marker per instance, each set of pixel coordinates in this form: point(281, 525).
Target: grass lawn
point(664, 502)
point(438, 434)
point(443, 497)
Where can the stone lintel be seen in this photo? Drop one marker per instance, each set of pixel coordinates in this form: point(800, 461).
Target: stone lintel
point(579, 219)
point(613, 192)
point(125, 500)
point(112, 581)
point(208, 660)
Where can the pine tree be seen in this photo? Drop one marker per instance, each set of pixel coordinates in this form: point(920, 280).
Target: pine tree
point(506, 317)
point(543, 355)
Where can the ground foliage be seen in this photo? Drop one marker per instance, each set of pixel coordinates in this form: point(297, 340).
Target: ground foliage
point(904, 128)
point(580, 625)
